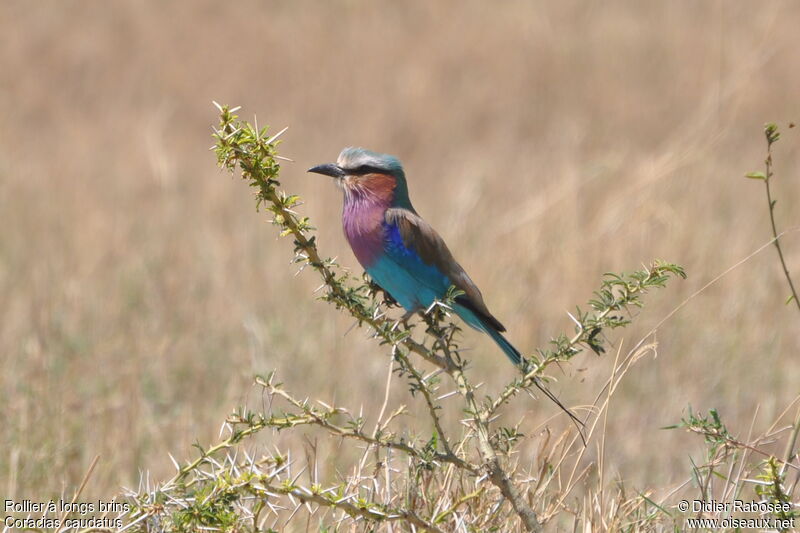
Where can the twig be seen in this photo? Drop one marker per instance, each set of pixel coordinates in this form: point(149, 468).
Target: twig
point(313, 417)
point(491, 461)
point(78, 492)
point(772, 135)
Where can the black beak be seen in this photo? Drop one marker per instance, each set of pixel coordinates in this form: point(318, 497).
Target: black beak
point(328, 169)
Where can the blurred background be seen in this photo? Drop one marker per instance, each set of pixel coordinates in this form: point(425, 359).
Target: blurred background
point(548, 142)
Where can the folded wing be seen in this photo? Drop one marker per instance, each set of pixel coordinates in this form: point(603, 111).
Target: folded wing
point(420, 236)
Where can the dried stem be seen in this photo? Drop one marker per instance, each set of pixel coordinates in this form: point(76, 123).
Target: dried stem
point(771, 132)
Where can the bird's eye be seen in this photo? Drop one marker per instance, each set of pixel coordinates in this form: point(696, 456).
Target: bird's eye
point(364, 169)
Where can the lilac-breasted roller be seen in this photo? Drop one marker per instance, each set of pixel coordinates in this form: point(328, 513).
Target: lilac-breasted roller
point(399, 250)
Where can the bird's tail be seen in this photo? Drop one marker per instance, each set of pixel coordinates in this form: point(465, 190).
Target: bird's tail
point(516, 357)
point(508, 348)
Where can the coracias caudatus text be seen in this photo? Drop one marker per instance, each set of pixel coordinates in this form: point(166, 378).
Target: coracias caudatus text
point(401, 252)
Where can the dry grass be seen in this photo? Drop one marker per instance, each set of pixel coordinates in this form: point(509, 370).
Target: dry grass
point(549, 143)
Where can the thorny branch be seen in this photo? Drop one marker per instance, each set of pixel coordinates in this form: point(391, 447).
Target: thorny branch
point(238, 144)
point(255, 155)
point(248, 149)
point(322, 419)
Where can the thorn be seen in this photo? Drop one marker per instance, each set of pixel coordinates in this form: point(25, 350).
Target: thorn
point(574, 320)
point(274, 137)
point(445, 396)
point(350, 329)
point(231, 134)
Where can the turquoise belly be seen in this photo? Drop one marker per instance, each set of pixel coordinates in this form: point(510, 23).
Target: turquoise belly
point(414, 285)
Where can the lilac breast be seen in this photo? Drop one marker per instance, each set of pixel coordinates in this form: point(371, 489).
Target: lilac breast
point(362, 220)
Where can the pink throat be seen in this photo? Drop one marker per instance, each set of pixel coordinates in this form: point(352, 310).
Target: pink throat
point(362, 220)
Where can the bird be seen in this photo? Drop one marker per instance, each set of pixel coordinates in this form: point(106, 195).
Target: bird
point(400, 251)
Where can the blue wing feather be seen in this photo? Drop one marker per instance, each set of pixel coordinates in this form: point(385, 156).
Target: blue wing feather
point(415, 284)
point(402, 272)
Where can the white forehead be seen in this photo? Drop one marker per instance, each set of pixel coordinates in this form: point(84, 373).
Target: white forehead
point(356, 157)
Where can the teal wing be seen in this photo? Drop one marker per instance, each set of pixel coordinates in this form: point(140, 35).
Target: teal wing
point(414, 243)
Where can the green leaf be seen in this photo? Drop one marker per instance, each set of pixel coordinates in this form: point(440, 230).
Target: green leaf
point(755, 176)
point(789, 300)
point(771, 132)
